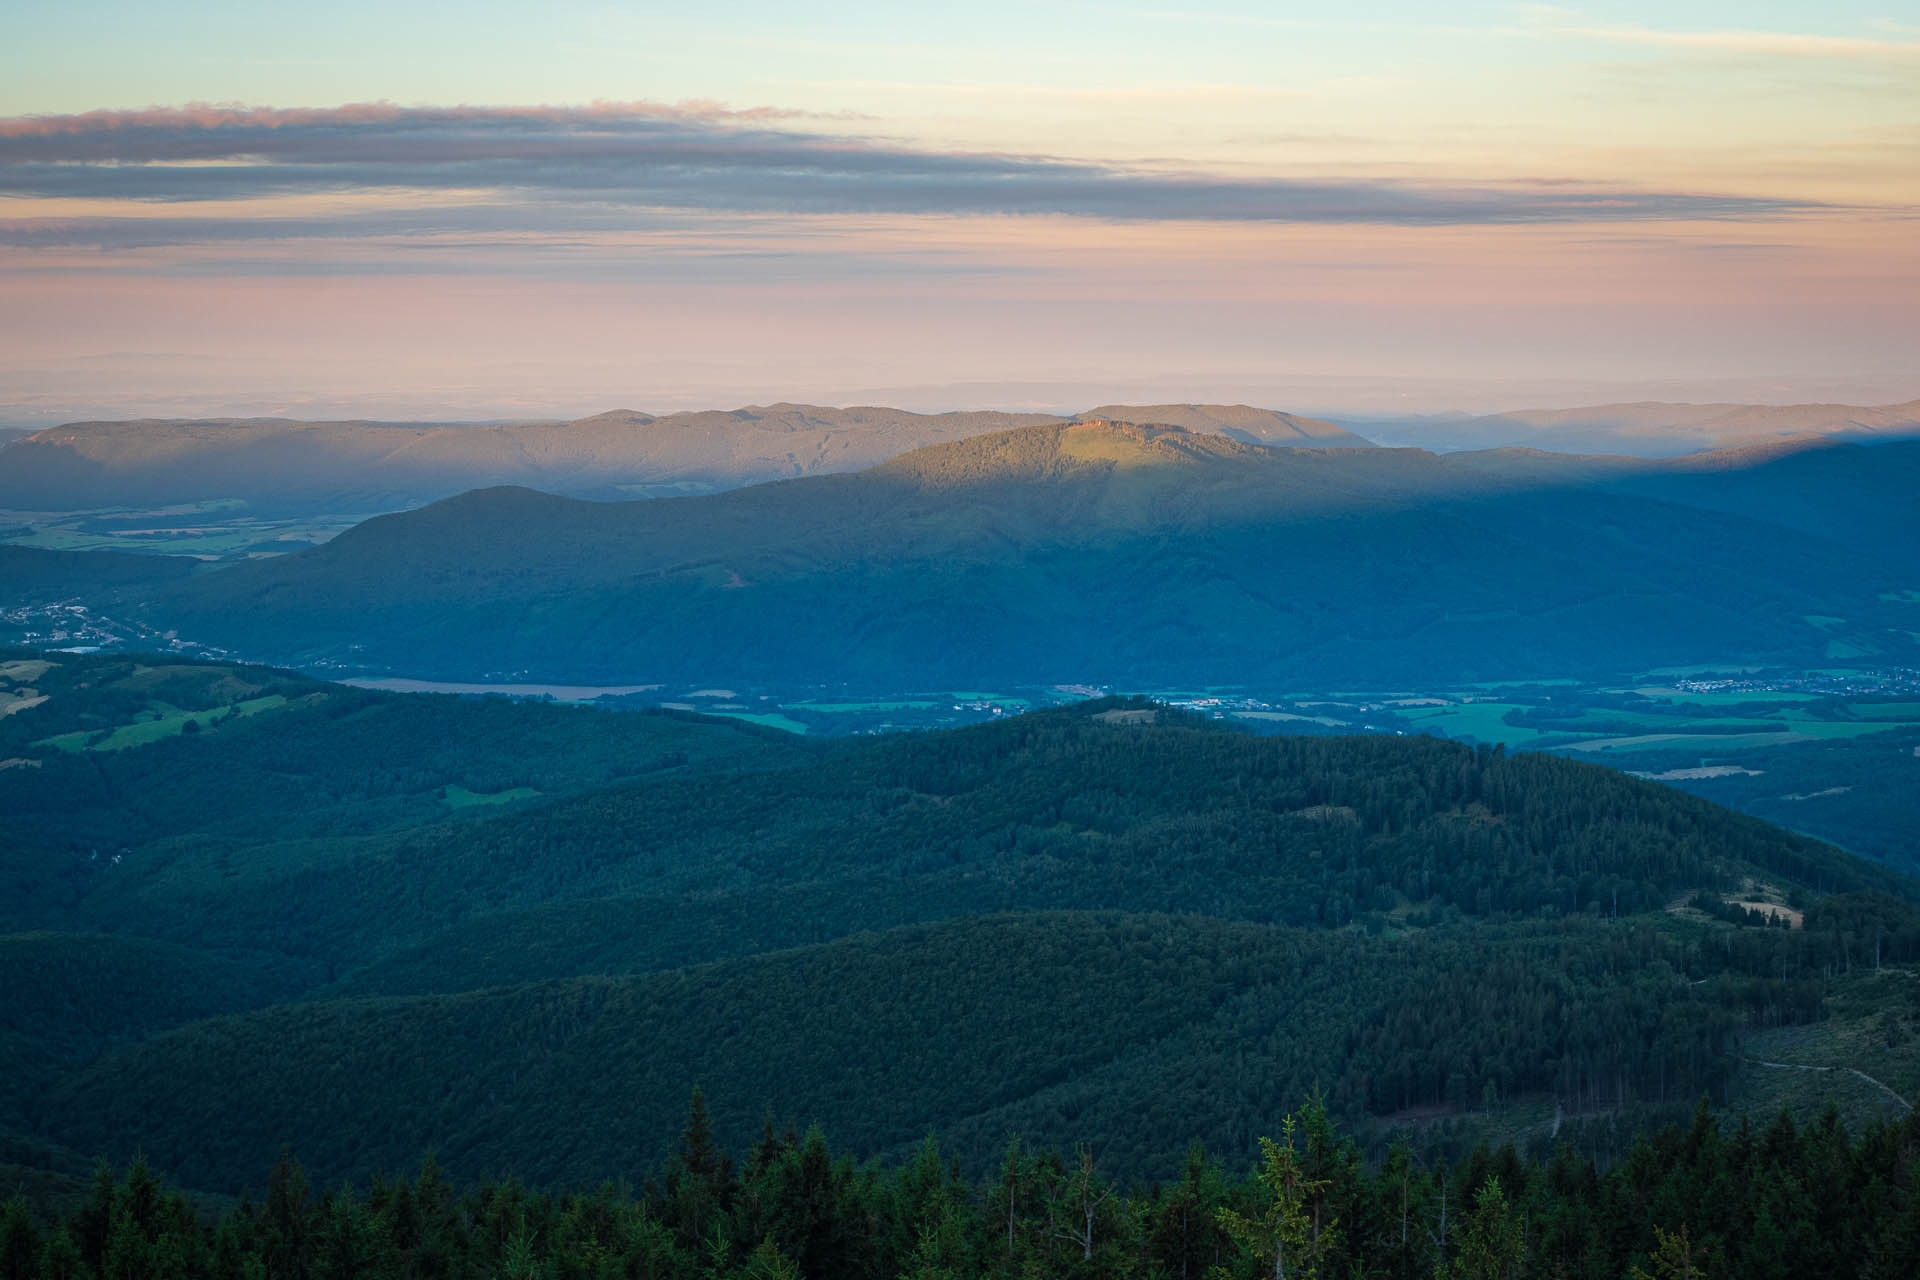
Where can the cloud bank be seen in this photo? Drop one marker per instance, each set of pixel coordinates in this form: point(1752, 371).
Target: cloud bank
point(705, 157)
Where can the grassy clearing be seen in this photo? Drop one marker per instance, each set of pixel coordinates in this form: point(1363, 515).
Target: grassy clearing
point(458, 797)
point(19, 700)
point(1698, 743)
point(1480, 720)
point(1523, 684)
point(159, 721)
point(1874, 1028)
point(842, 708)
point(220, 528)
point(1824, 729)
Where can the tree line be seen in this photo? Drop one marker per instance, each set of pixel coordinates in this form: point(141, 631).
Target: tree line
point(1705, 1199)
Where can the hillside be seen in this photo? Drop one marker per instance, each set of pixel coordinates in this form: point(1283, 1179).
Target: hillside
point(1111, 919)
point(1103, 552)
point(274, 464)
point(1148, 1030)
point(103, 756)
point(30, 575)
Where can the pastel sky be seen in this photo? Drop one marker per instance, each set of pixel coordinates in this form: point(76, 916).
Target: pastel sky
point(487, 210)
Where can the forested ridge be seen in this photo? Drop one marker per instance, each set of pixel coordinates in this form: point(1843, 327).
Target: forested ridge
point(254, 910)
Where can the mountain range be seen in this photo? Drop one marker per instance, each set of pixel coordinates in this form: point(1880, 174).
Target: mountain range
point(1107, 552)
point(275, 463)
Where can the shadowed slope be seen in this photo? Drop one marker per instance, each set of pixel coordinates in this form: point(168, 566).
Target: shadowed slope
point(1081, 551)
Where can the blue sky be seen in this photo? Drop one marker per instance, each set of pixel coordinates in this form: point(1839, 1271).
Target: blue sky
point(84, 54)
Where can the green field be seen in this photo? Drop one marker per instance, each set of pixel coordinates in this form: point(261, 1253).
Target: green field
point(1525, 684)
point(160, 720)
point(1719, 743)
point(1841, 728)
point(458, 797)
point(1661, 723)
point(208, 530)
point(1005, 700)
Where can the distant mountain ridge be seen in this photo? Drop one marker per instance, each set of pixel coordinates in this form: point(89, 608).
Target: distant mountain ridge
point(1655, 428)
point(1109, 552)
point(363, 466)
point(358, 466)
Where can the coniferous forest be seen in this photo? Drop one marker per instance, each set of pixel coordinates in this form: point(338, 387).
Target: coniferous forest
point(385, 984)
point(1691, 1200)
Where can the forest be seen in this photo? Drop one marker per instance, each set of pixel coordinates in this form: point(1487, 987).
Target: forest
point(246, 909)
point(1696, 1199)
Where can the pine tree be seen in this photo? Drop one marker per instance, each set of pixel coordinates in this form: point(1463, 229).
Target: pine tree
point(19, 1241)
point(1491, 1243)
point(1283, 1236)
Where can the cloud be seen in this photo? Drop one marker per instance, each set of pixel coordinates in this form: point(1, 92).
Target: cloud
point(706, 157)
point(1740, 42)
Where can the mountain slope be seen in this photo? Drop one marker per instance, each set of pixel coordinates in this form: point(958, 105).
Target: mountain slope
point(31, 575)
point(1053, 810)
point(1659, 430)
point(294, 939)
point(1090, 552)
point(100, 766)
point(1148, 1030)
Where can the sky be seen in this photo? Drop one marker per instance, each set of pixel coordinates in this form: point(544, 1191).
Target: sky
point(490, 210)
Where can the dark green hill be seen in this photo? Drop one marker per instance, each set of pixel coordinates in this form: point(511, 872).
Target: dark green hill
point(69, 997)
point(1087, 552)
point(1109, 920)
point(29, 575)
point(116, 767)
point(1146, 1030)
point(1055, 809)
